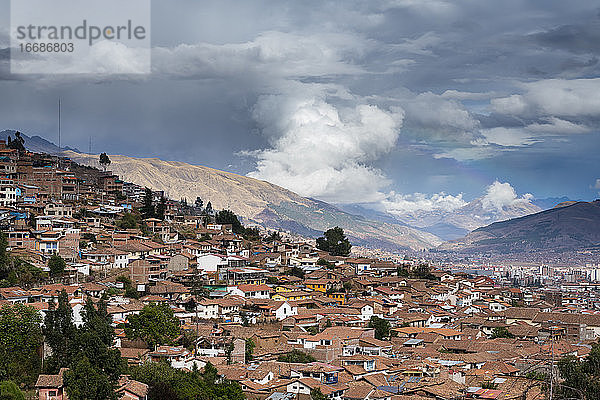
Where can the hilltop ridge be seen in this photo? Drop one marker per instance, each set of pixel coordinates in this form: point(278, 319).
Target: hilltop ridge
point(260, 202)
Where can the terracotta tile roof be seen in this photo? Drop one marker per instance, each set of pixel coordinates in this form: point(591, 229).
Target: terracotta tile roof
point(132, 386)
point(132, 352)
point(51, 381)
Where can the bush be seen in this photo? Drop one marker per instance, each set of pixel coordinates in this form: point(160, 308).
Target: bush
point(57, 265)
point(296, 356)
point(10, 391)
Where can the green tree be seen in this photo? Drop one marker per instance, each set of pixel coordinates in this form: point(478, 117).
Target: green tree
point(148, 204)
point(20, 337)
point(168, 383)
point(229, 351)
point(297, 272)
point(21, 273)
point(130, 291)
point(4, 258)
point(128, 221)
point(335, 242)
point(501, 332)
point(251, 234)
point(81, 213)
point(57, 265)
point(381, 326)
point(93, 341)
point(161, 207)
point(228, 217)
point(423, 271)
point(273, 237)
point(155, 324)
point(209, 208)
point(198, 203)
point(489, 385)
point(250, 345)
point(59, 331)
point(347, 287)
point(104, 161)
point(17, 144)
point(89, 237)
point(296, 356)
point(316, 394)
point(85, 382)
point(10, 391)
point(581, 377)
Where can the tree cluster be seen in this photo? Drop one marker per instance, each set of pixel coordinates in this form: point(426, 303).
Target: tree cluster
point(17, 144)
point(381, 326)
point(501, 332)
point(94, 367)
point(149, 210)
point(155, 324)
point(581, 377)
point(130, 291)
point(335, 242)
point(57, 265)
point(250, 345)
point(104, 161)
point(166, 382)
point(129, 221)
point(10, 391)
point(422, 271)
point(296, 356)
point(15, 271)
point(20, 337)
point(228, 217)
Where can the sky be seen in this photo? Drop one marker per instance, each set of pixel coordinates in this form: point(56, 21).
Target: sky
point(402, 104)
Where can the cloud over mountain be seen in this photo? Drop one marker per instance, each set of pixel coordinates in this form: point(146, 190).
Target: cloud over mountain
point(323, 151)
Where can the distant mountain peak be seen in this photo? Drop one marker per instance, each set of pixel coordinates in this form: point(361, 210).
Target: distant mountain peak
point(36, 143)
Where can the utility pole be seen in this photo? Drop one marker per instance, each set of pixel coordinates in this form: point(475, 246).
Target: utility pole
point(552, 363)
point(59, 123)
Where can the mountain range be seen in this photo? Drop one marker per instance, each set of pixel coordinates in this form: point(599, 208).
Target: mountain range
point(566, 227)
point(259, 201)
point(452, 224)
point(274, 207)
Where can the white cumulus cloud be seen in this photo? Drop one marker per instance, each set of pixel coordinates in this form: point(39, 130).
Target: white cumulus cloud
point(499, 195)
point(553, 97)
point(399, 204)
point(510, 137)
point(322, 150)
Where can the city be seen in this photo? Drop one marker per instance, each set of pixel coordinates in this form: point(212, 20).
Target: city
point(299, 200)
point(187, 286)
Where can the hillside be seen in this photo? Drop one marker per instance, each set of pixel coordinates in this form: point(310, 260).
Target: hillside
point(261, 202)
point(569, 227)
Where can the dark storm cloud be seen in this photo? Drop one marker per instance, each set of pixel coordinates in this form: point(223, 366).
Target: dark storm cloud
point(582, 38)
point(245, 86)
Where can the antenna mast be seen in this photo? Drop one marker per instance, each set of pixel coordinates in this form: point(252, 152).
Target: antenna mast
point(59, 123)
